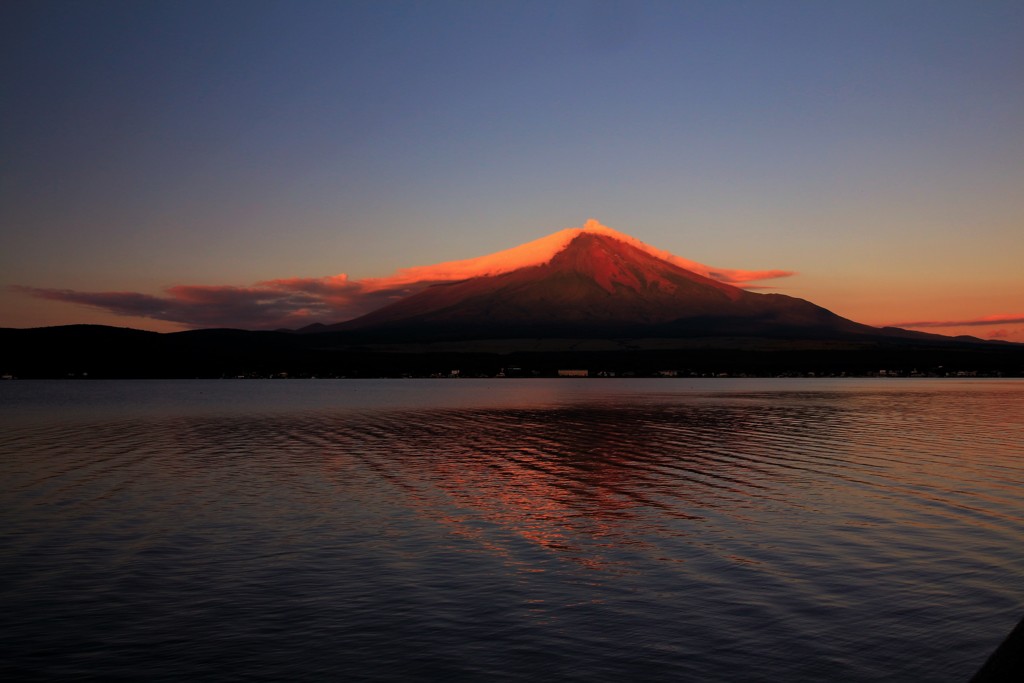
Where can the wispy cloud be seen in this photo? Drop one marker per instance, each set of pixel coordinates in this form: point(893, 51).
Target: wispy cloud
point(273, 304)
point(199, 306)
point(983, 321)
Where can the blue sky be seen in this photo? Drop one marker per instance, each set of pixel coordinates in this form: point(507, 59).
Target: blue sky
point(876, 148)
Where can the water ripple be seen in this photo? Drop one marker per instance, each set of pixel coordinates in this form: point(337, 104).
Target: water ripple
point(510, 530)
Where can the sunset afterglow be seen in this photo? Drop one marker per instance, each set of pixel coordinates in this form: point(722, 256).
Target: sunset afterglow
point(533, 340)
point(175, 165)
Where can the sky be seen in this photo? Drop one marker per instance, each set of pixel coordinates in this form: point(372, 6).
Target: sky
point(167, 165)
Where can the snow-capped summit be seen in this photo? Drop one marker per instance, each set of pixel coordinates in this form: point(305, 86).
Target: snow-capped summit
point(586, 281)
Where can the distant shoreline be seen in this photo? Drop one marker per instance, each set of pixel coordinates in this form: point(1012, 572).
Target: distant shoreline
point(78, 352)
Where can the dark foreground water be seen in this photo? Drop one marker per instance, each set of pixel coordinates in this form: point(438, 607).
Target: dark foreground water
point(672, 530)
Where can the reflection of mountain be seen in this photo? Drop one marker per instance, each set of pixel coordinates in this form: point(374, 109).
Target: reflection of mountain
point(587, 482)
point(599, 285)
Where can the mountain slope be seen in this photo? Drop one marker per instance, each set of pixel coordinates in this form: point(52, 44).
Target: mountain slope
point(600, 284)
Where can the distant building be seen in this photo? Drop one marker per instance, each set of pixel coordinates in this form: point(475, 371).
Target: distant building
point(573, 373)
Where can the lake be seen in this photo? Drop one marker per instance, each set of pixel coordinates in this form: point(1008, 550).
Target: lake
point(510, 530)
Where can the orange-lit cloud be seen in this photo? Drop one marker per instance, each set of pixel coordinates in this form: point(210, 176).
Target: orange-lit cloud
point(971, 322)
point(297, 302)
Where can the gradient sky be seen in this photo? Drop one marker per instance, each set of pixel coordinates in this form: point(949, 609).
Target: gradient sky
point(184, 152)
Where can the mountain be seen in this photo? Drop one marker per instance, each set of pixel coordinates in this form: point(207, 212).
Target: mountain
point(581, 298)
point(600, 283)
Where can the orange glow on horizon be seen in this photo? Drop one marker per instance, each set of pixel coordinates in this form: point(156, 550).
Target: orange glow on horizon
point(985, 320)
point(295, 302)
point(1002, 327)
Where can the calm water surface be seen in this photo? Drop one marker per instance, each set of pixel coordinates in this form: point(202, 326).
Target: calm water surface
point(592, 530)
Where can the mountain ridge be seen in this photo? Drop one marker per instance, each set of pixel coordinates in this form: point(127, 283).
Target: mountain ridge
point(95, 352)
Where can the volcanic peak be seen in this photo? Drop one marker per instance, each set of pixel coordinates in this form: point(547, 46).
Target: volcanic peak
point(542, 251)
point(616, 262)
point(596, 280)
